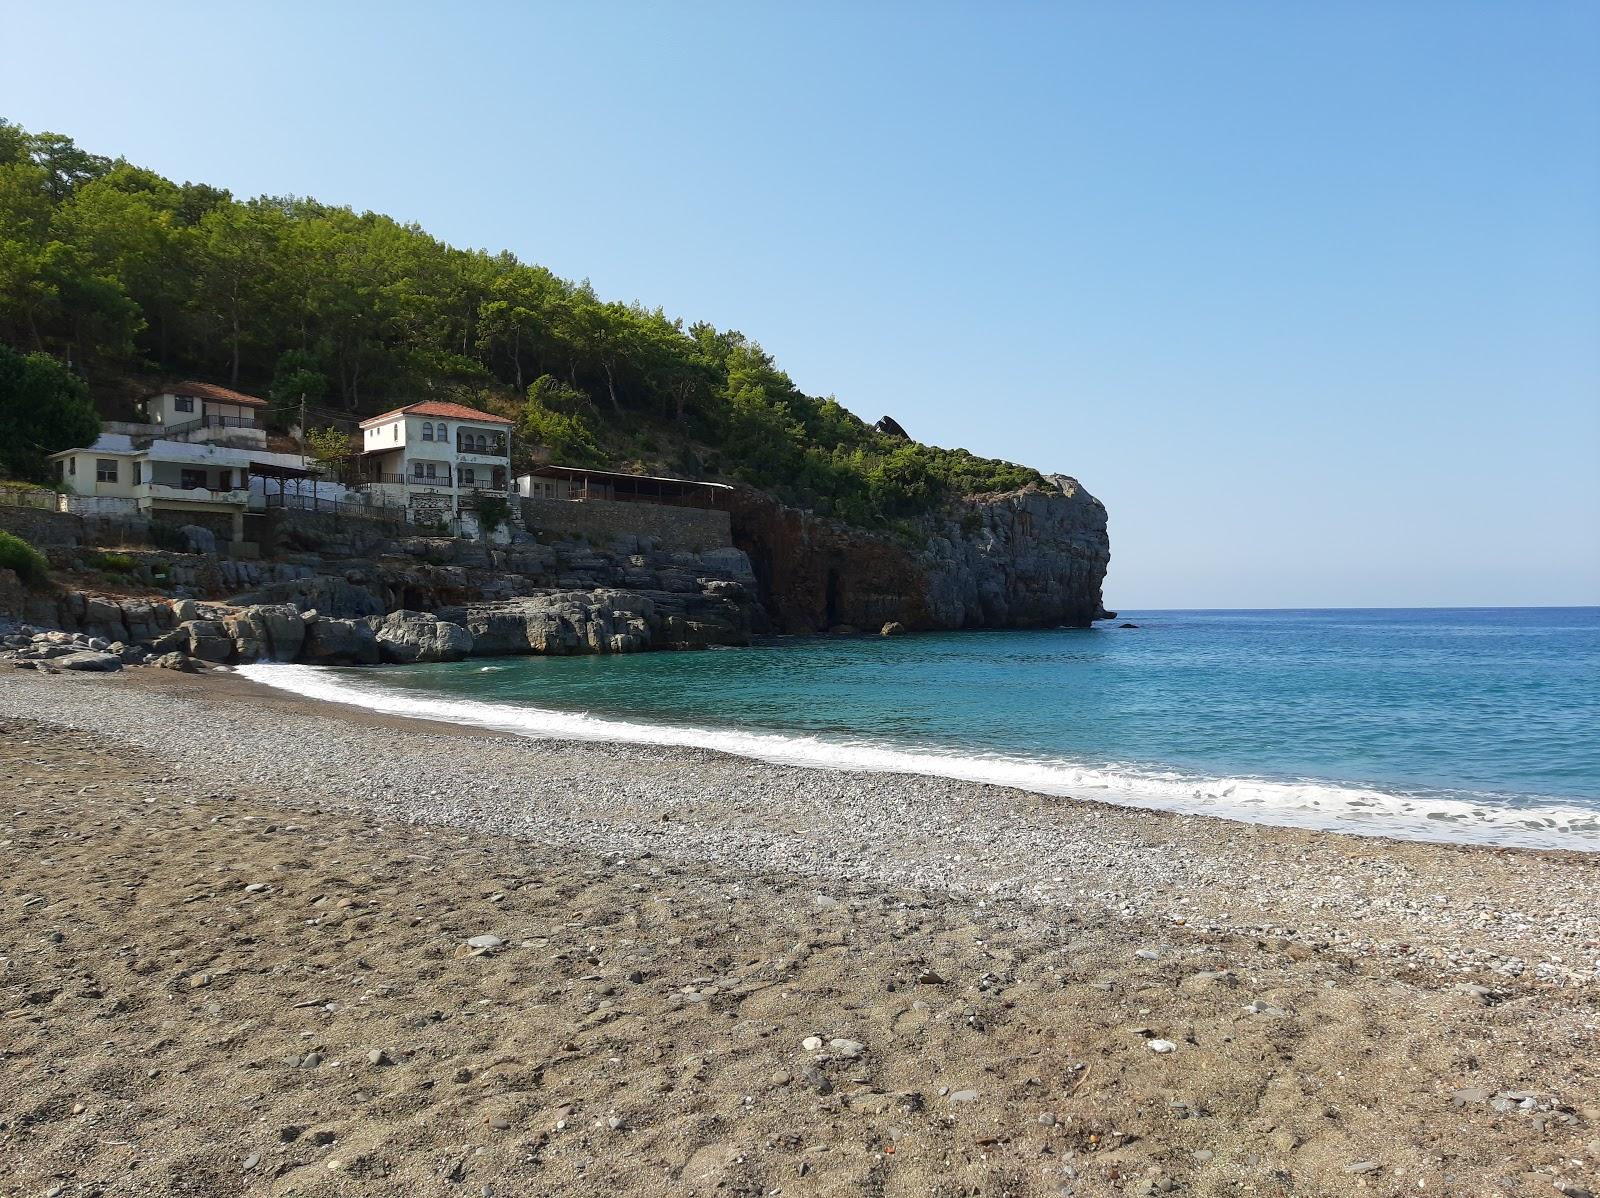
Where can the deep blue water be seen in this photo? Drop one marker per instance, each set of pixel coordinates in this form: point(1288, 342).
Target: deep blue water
point(1471, 724)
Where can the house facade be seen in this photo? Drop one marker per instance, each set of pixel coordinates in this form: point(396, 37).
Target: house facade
point(121, 472)
point(435, 458)
point(202, 413)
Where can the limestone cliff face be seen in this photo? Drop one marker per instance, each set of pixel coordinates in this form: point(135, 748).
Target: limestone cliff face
point(1033, 558)
point(1026, 559)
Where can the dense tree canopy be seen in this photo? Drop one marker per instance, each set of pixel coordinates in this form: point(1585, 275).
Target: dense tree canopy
point(44, 408)
point(120, 271)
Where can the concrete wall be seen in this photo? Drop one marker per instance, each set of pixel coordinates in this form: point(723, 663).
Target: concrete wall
point(603, 522)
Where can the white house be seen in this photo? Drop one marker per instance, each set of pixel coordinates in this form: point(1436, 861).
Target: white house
point(203, 412)
point(201, 449)
point(132, 474)
point(431, 456)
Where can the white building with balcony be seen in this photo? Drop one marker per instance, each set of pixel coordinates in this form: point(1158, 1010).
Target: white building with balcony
point(435, 459)
point(173, 477)
point(201, 413)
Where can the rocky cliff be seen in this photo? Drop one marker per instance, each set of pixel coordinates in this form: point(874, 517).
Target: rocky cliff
point(1034, 558)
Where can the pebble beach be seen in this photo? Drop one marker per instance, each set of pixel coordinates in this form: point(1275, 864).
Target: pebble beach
point(256, 944)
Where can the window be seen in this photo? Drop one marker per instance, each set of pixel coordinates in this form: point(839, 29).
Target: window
point(183, 403)
point(105, 470)
point(468, 476)
point(138, 473)
point(483, 442)
point(444, 431)
point(397, 432)
point(429, 469)
point(427, 430)
point(224, 482)
point(416, 469)
point(191, 480)
point(72, 465)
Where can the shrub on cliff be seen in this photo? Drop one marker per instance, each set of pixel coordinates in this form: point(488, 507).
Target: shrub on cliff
point(16, 554)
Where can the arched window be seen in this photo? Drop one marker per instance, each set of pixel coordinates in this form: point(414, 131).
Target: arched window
point(444, 431)
point(427, 430)
point(483, 442)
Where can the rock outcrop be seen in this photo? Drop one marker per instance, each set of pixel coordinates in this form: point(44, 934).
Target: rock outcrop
point(1034, 558)
point(412, 636)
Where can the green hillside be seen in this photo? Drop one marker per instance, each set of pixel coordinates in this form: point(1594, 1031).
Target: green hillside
point(125, 274)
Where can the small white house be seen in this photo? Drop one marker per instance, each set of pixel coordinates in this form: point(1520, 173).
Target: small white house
point(431, 456)
point(203, 412)
point(159, 476)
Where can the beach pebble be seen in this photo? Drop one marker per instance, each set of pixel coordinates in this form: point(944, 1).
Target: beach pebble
point(1362, 1167)
point(251, 1161)
point(964, 1096)
point(1161, 1046)
point(378, 1057)
point(485, 943)
point(311, 1060)
point(847, 1048)
point(812, 1044)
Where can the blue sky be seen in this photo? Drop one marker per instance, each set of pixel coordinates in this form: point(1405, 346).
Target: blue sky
point(1308, 294)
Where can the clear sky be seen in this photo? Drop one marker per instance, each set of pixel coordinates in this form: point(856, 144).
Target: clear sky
point(1309, 294)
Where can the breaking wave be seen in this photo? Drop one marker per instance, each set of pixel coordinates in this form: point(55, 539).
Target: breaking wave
point(1515, 820)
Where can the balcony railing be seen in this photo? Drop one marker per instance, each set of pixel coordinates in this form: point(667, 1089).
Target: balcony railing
point(414, 480)
point(182, 432)
point(195, 494)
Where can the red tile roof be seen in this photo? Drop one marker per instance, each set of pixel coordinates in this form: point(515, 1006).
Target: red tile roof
point(211, 391)
point(434, 407)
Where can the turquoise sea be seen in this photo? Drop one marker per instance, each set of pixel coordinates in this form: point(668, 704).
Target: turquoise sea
point(1457, 724)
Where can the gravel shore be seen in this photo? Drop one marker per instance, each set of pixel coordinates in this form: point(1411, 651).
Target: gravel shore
point(1009, 993)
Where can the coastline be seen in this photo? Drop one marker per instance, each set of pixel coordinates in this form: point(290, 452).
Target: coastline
point(678, 921)
point(1220, 875)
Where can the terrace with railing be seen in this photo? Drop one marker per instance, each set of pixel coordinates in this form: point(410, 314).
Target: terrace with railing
point(205, 428)
point(437, 479)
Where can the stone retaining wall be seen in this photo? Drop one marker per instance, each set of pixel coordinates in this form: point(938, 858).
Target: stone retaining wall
point(606, 522)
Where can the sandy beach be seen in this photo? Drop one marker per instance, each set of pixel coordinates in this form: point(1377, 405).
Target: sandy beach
point(236, 960)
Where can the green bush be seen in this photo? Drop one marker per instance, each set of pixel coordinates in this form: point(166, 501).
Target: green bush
point(16, 554)
point(116, 563)
point(493, 512)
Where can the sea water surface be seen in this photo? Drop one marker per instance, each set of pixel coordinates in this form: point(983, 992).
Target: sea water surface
point(1480, 725)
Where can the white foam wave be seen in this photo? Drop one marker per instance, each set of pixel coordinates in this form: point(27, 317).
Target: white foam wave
point(1310, 804)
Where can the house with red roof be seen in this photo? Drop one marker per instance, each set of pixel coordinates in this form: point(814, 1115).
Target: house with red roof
point(204, 413)
point(435, 458)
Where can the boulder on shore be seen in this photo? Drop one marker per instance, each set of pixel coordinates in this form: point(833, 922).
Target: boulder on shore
point(410, 636)
point(340, 643)
point(88, 659)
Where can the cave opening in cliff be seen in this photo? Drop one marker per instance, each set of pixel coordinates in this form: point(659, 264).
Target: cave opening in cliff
point(831, 599)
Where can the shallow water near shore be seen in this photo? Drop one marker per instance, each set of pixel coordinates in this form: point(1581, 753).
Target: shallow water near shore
point(1473, 725)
